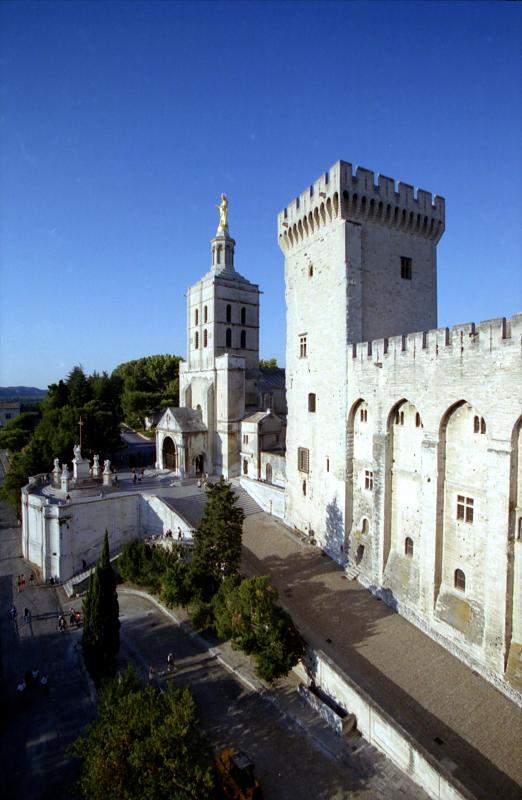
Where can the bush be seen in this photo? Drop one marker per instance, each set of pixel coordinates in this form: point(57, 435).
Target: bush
point(202, 617)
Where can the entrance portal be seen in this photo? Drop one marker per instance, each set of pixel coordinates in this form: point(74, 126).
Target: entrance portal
point(199, 463)
point(170, 455)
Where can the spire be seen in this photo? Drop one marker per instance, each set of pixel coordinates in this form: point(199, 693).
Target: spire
point(222, 245)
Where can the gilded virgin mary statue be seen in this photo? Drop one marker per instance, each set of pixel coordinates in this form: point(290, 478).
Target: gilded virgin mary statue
point(223, 214)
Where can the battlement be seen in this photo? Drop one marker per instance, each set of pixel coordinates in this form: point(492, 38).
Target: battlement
point(342, 193)
point(490, 335)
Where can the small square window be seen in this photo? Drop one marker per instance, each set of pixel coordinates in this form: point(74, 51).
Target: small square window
point(465, 508)
point(406, 268)
point(368, 479)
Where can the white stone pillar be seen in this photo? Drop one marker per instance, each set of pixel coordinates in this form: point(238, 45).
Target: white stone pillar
point(495, 554)
point(428, 543)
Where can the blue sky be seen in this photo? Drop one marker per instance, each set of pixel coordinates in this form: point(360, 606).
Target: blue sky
point(122, 123)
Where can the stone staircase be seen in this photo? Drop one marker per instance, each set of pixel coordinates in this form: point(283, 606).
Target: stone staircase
point(247, 503)
point(352, 572)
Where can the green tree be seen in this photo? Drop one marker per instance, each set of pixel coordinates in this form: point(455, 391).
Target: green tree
point(18, 432)
point(217, 541)
point(144, 744)
point(148, 384)
point(101, 625)
point(248, 614)
point(268, 363)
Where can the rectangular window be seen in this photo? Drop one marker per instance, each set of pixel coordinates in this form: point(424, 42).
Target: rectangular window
point(245, 438)
point(327, 464)
point(406, 268)
point(303, 459)
point(368, 479)
point(465, 508)
point(302, 346)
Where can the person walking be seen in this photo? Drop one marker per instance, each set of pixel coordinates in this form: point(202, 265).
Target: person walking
point(18, 583)
point(32, 579)
point(22, 581)
point(152, 672)
point(27, 616)
point(72, 618)
point(13, 613)
point(62, 624)
point(170, 662)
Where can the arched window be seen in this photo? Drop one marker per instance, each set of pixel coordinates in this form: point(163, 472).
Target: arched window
point(219, 250)
point(268, 473)
point(243, 340)
point(311, 402)
point(205, 338)
point(408, 546)
point(245, 466)
point(460, 580)
point(365, 526)
point(196, 341)
point(304, 488)
point(311, 271)
point(476, 424)
point(196, 317)
point(402, 417)
point(243, 316)
point(228, 340)
point(229, 313)
point(418, 421)
point(205, 314)
point(482, 425)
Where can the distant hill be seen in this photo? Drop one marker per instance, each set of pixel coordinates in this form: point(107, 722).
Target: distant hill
point(22, 393)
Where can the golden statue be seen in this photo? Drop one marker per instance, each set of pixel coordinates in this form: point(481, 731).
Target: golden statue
point(223, 213)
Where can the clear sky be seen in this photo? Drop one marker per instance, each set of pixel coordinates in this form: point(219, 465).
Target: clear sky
point(121, 123)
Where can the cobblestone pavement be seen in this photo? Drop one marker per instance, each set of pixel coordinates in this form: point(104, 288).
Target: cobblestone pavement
point(288, 763)
point(421, 685)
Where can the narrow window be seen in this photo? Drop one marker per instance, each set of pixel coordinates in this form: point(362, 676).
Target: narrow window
point(303, 459)
point(418, 422)
point(245, 466)
point(402, 417)
point(311, 271)
point(302, 347)
point(196, 317)
point(364, 415)
point(205, 338)
point(229, 313)
point(519, 534)
point(243, 340)
point(245, 438)
point(268, 473)
point(311, 402)
point(397, 418)
point(406, 270)
point(359, 555)
point(196, 341)
point(482, 425)
point(327, 464)
point(460, 580)
point(408, 546)
point(304, 488)
point(476, 425)
point(243, 316)
point(365, 526)
point(465, 507)
point(368, 479)
point(205, 314)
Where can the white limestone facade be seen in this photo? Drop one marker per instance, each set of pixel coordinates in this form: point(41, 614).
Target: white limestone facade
point(403, 440)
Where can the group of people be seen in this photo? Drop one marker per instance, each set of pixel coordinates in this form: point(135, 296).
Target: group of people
point(203, 482)
point(170, 667)
point(21, 583)
point(75, 620)
point(169, 535)
point(138, 476)
point(32, 679)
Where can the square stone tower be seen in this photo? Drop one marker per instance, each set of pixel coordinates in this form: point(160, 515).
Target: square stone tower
point(222, 352)
point(360, 264)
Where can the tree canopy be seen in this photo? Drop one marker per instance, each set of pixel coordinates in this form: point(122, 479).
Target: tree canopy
point(144, 744)
point(148, 384)
point(268, 363)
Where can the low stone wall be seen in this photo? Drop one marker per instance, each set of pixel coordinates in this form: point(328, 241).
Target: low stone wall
point(271, 498)
point(381, 730)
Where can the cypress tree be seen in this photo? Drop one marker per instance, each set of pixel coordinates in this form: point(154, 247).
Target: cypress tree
point(101, 624)
point(217, 541)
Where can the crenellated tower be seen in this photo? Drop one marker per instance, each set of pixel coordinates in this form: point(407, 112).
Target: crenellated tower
point(360, 264)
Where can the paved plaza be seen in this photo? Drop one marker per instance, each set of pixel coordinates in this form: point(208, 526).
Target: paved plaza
point(421, 685)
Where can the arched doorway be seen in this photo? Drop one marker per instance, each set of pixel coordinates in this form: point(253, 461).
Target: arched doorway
point(170, 455)
point(199, 465)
